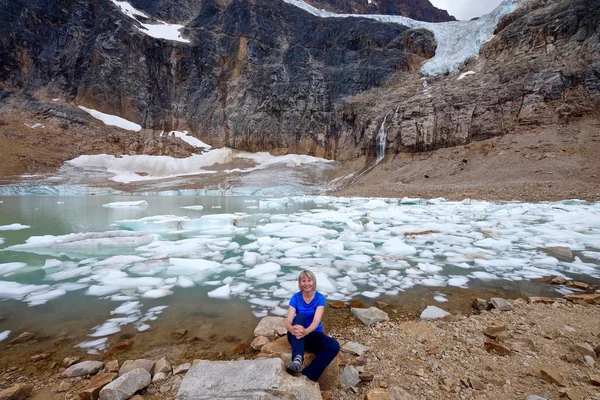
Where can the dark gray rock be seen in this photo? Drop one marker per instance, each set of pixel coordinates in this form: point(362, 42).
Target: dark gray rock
point(83, 368)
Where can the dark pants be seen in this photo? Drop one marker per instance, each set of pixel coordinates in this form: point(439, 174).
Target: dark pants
point(324, 348)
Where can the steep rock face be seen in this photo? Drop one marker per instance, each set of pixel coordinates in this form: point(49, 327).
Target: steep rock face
point(421, 10)
point(264, 75)
point(258, 75)
point(542, 68)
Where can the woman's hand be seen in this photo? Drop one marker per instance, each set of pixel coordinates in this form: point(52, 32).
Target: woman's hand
point(298, 331)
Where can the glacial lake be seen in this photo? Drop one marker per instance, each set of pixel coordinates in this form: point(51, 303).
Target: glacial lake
point(98, 266)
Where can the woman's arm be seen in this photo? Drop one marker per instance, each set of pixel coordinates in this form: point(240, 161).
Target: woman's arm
point(316, 320)
point(290, 319)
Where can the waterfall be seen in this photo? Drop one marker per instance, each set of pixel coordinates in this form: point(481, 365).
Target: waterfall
point(381, 142)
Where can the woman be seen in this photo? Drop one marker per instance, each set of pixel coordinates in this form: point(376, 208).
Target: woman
point(305, 330)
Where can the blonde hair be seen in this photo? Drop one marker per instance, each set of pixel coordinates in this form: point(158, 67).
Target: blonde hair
point(309, 275)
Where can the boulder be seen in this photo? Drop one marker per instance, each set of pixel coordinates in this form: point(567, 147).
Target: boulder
point(433, 312)
point(501, 304)
point(130, 365)
point(92, 390)
point(552, 376)
point(561, 253)
point(378, 394)
point(349, 377)
point(271, 327)
point(281, 348)
point(67, 362)
point(83, 368)
point(584, 349)
point(584, 298)
point(126, 385)
point(480, 304)
point(162, 365)
point(262, 379)
point(16, 392)
point(181, 369)
point(370, 316)
point(354, 348)
point(259, 342)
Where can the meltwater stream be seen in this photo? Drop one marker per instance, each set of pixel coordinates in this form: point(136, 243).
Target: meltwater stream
point(96, 267)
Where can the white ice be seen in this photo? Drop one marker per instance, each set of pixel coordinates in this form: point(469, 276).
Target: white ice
point(4, 335)
point(457, 41)
point(14, 227)
point(113, 120)
point(184, 135)
point(126, 204)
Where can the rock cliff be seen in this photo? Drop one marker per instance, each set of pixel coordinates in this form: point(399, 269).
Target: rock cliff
point(265, 75)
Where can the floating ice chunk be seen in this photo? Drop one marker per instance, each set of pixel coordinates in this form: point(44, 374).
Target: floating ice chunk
point(10, 267)
point(354, 226)
point(96, 290)
point(324, 283)
point(591, 254)
point(15, 290)
point(68, 273)
point(127, 308)
point(4, 335)
point(99, 343)
point(483, 275)
point(156, 223)
point(240, 288)
point(264, 302)
point(250, 258)
point(51, 263)
point(42, 298)
point(143, 327)
point(185, 282)
point(113, 120)
point(260, 314)
point(304, 231)
point(436, 281)
point(429, 268)
point(127, 204)
point(261, 269)
point(119, 261)
point(192, 265)
point(458, 281)
point(196, 208)
point(440, 298)
point(370, 295)
point(300, 251)
point(495, 244)
point(84, 242)
point(221, 292)
point(397, 246)
point(14, 227)
point(282, 312)
point(108, 328)
point(157, 293)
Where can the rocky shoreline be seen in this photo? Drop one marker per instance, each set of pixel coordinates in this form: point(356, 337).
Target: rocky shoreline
point(544, 347)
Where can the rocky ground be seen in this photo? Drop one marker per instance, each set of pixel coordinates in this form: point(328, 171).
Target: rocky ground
point(545, 349)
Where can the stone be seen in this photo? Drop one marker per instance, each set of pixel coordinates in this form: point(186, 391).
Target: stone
point(546, 300)
point(39, 357)
point(366, 376)
point(91, 391)
point(121, 347)
point(476, 383)
point(495, 331)
point(257, 379)
point(498, 348)
point(271, 327)
point(130, 365)
point(20, 391)
point(83, 368)
point(354, 348)
point(182, 368)
point(584, 298)
point(561, 253)
point(536, 397)
point(433, 312)
point(597, 350)
point(370, 316)
point(501, 304)
point(480, 304)
point(594, 379)
point(381, 304)
point(578, 285)
point(159, 377)
point(126, 385)
point(552, 376)
point(337, 304)
point(383, 384)
point(558, 280)
point(22, 338)
point(349, 377)
point(281, 348)
point(63, 387)
point(67, 362)
point(584, 349)
point(573, 394)
point(178, 333)
point(259, 342)
point(112, 366)
point(355, 303)
point(162, 365)
point(398, 393)
point(378, 394)
point(589, 361)
point(519, 344)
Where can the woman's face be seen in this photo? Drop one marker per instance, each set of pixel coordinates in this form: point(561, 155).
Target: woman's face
point(307, 284)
